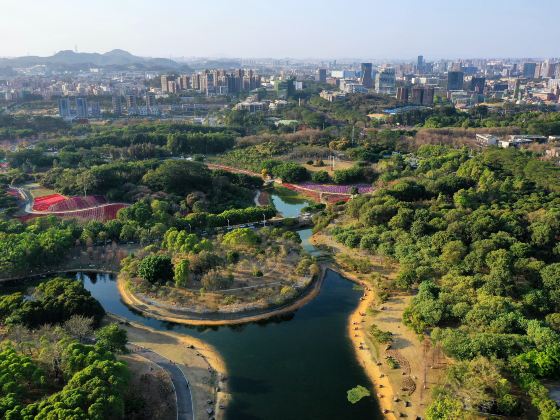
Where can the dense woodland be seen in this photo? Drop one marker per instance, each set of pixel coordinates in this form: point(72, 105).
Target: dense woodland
point(48, 368)
point(477, 237)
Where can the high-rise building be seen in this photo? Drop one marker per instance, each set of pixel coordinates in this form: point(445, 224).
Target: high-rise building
point(422, 96)
point(171, 86)
point(117, 105)
point(428, 98)
point(64, 108)
point(207, 83)
point(420, 64)
point(195, 81)
point(455, 80)
point(184, 82)
point(402, 94)
point(366, 80)
point(150, 100)
point(417, 95)
point(548, 69)
point(529, 70)
point(164, 84)
point(81, 108)
point(322, 75)
point(131, 105)
point(95, 110)
point(385, 81)
point(477, 84)
point(516, 88)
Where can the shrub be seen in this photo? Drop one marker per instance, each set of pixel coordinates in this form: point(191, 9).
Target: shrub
point(214, 280)
point(357, 393)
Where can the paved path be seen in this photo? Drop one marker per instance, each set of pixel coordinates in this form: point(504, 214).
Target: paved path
point(180, 383)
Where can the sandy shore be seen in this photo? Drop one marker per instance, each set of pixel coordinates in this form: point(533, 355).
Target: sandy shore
point(201, 364)
point(160, 313)
point(421, 365)
point(383, 389)
point(382, 386)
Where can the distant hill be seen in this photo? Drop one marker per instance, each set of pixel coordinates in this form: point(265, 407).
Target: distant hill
point(117, 59)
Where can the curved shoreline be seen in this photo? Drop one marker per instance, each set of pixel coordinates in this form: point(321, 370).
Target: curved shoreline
point(135, 303)
point(384, 390)
point(186, 343)
point(382, 387)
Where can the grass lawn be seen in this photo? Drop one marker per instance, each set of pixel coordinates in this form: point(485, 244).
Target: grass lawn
point(38, 190)
point(338, 164)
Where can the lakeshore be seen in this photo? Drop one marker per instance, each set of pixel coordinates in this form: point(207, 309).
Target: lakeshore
point(406, 390)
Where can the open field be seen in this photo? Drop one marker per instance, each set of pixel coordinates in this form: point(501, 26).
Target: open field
point(338, 164)
point(36, 190)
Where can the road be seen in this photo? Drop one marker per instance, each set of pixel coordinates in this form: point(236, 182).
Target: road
point(180, 383)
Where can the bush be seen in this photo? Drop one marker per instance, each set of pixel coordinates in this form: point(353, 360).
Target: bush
point(381, 336)
point(392, 363)
point(214, 280)
point(240, 237)
point(321, 177)
point(357, 393)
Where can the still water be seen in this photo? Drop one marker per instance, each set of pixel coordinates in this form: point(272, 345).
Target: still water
point(297, 366)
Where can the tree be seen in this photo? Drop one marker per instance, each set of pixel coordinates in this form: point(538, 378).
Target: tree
point(156, 268)
point(112, 337)
point(240, 237)
point(181, 276)
point(87, 180)
point(291, 172)
point(178, 177)
point(453, 252)
point(445, 408)
point(79, 327)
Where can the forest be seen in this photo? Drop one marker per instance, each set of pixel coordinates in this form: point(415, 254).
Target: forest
point(48, 364)
point(477, 238)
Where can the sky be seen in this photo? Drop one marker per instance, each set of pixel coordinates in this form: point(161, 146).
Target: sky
point(376, 29)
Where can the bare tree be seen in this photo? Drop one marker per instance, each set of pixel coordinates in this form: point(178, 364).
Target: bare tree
point(79, 327)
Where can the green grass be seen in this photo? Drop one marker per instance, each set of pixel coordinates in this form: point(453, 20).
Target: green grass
point(37, 190)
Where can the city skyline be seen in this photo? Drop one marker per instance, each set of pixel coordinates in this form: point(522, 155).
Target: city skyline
point(310, 30)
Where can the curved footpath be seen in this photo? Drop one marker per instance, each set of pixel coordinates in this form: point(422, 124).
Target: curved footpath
point(197, 371)
point(159, 313)
point(183, 396)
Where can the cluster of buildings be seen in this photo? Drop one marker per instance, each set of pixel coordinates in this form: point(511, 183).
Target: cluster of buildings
point(464, 83)
point(515, 140)
point(78, 108)
point(212, 82)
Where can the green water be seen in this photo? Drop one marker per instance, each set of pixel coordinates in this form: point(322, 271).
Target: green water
point(288, 203)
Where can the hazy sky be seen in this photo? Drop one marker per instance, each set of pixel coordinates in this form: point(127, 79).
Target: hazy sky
point(285, 28)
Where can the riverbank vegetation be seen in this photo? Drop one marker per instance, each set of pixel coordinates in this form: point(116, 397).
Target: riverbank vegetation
point(476, 237)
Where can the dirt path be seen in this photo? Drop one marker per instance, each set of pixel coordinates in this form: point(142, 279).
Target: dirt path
point(200, 363)
point(405, 390)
